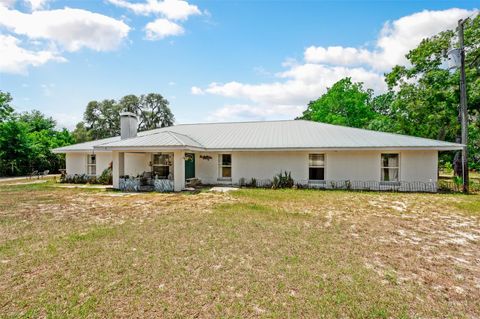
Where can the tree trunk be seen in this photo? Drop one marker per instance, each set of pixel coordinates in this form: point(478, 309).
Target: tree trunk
point(457, 160)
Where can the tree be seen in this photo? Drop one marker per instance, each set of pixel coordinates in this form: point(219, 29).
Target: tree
point(345, 103)
point(14, 147)
point(81, 134)
point(154, 112)
point(26, 141)
point(427, 95)
point(102, 119)
point(5, 109)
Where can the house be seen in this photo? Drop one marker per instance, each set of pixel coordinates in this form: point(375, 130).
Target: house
point(316, 154)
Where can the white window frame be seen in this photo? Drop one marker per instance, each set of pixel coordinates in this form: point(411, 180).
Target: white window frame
point(389, 167)
point(317, 166)
point(221, 166)
point(170, 165)
point(91, 165)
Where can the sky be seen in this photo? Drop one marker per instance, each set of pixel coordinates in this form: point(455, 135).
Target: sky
point(213, 60)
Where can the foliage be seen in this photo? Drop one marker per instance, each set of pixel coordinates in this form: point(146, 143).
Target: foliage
point(81, 134)
point(102, 118)
point(5, 109)
point(283, 180)
point(345, 103)
point(26, 140)
point(427, 95)
point(78, 179)
point(106, 177)
point(152, 110)
point(422, 99)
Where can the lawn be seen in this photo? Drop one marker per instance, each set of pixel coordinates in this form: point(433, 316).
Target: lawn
point(251, 253)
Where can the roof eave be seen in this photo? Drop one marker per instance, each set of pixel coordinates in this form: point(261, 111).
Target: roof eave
point(148, 148)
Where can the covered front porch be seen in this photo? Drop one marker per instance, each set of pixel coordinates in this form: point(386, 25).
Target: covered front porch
point(155, 170)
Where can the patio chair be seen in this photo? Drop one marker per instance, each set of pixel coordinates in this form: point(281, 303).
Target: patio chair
point(44, 173)
point(33, 174)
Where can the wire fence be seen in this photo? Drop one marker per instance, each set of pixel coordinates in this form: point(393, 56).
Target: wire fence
point(401, 186)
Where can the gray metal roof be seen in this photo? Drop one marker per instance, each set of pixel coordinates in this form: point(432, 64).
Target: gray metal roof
point(292, 134)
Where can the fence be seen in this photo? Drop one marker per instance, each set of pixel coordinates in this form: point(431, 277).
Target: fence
point(401, 186)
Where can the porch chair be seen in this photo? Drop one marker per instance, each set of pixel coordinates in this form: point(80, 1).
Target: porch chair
point(33, 174)
point(44, 173)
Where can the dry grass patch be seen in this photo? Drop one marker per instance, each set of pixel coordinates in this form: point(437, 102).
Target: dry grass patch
point(251, 253)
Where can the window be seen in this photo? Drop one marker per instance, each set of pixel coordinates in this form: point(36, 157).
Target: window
point(161, 165)
point(390, 167)
point(91, 164)
point(316, 167)
point(225, 166)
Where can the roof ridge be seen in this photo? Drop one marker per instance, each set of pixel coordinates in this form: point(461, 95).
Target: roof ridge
point(175, 137)
point(176, 133)
point(237, 122)
point(381, 132)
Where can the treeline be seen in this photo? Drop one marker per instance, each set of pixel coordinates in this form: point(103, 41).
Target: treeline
point(102, 118)
point(26, 141)
point(422, 99)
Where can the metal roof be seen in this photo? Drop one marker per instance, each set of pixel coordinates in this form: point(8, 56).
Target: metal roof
point(273, 135)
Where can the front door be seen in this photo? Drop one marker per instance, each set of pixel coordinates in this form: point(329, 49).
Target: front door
point(189, 165)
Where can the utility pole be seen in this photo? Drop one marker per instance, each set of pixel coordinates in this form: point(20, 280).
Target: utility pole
point(463, 107)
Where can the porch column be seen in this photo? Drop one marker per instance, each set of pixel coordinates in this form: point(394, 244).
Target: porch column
point(179, 170)
point(118, 168)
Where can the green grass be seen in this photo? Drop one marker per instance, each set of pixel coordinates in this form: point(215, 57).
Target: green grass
point(76, 253)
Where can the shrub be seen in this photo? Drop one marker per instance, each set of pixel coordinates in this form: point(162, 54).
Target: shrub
point(253, 183)
point(106, 177)
point(241, 182)
point(283, 180)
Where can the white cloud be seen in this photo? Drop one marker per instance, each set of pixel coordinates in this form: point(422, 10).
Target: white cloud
point(304, 81)
point(64, 120)
point(195, 90)
point(170, 9)
point(72, 29)
point(396, 39)
point(37, 4)
point(167, 10)
point(7, 3)
point(162, 28)
point(15, 59)
point(47, 89)
point(244, 112)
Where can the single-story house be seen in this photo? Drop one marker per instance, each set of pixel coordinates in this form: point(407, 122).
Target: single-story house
point(315, 154)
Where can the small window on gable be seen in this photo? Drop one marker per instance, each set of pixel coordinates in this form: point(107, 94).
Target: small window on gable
point(225, 166)
point(390, 167)
point(316, 167)
point(91, 164)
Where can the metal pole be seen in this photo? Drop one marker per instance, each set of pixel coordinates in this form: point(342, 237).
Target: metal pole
point(463, 107)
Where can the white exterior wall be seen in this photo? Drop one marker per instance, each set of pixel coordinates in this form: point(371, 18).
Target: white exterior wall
point(76, 163)
point(103, 161)
point(264, 165)
point(206, 170)
point(137, 163)
point(415, 166)
point(419, 166)
point(352, 165)
point(339, 165)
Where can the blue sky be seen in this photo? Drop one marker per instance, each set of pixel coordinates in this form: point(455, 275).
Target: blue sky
point(213, 60)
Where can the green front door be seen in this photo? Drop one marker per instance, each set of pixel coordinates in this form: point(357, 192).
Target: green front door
point(189, 165)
